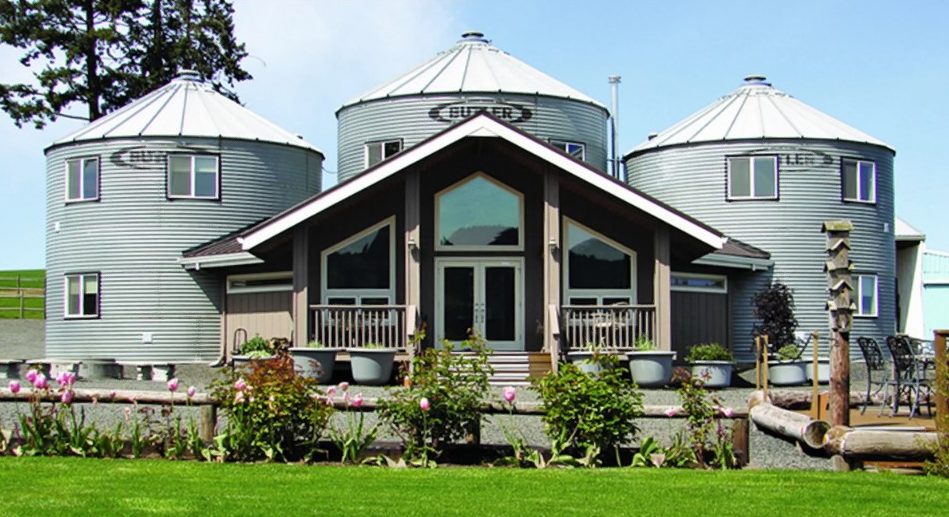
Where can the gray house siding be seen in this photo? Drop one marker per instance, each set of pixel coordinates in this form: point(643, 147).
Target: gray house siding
point(692, 178)
point(134, 235)
point(407, 118)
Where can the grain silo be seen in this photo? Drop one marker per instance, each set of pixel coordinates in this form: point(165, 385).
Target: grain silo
point(470, 77)
point(129, 192)
point(767, 169)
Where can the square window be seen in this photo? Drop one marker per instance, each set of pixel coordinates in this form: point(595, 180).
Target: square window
point(82, 295)
point(378, 151)
point(193, 176)
point(753, 177)
point(574, 149)
point(866, 295)
point(82, 179)
point(858, 181)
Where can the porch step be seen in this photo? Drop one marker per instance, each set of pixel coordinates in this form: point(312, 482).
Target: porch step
point(517, 368)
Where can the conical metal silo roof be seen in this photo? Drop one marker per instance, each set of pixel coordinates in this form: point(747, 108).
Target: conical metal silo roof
point(756, 110)
point(473, 65)
point(189, 107)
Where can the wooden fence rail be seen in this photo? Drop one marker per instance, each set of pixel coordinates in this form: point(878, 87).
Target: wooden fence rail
point(22, 294)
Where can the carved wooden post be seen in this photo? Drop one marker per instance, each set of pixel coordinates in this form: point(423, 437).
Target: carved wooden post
point(839, 282)
point(942, 382)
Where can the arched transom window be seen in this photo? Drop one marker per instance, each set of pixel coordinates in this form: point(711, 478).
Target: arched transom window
point(599, 271)
point(479, 213)
point(361, 270)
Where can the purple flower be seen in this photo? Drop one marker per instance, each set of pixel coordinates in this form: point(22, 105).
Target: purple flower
point(240, 385)
point(357, 400)
point(727, 412)
point(191, 391)
point(14, 387)
point(66, 398)
point(670, 412)
point(331, 391)
point(31, 376)
point(424, 404)
point(239, 397)
point(173, 385)
point(510, 393)
point(40, 382)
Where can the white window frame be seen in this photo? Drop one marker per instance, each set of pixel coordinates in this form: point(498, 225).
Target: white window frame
point(520, 216)
point(860, 186)
point(858, 290)
point(271, 288)
point(564, 145)
point(692, 289)
point(82, 180)
point(751, 179)
point(382, 150)
point(82, 295)
point(192, 156)
point(359, 294)
point(598, 294)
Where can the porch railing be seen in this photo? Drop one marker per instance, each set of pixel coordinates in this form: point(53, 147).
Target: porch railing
point(608, 327)
point(351, 326)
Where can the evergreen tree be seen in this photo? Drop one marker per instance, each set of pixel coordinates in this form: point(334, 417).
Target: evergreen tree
point(104, 53)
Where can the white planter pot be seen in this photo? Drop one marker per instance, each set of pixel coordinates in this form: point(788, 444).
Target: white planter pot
point(823, 370)
point(652, 368)
point(372, 366)
point(790, 373)
point(719, 373)
point(584, 361)
point(318, 363)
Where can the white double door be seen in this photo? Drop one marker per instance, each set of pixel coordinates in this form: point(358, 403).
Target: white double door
point(480, 295)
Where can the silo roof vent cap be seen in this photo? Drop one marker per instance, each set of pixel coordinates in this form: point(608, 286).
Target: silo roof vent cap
point(473, 36)
point(757, 80)
point(188, 75)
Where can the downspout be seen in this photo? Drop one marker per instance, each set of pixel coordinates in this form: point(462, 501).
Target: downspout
point(614, 127)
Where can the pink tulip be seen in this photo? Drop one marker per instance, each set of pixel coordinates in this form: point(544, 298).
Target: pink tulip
point(331, 391)
point(40, 382)
point(128, 413)
point(191, 391)
point(727, 412)
point(357, 400)
point(240, 385)
point(66, 398)
point(424, 404)
point(343, 386)
point(14, 387)
point(31, 376)
point(173, 385)
point(510, 393)
point(239, 397)
point(670, 412)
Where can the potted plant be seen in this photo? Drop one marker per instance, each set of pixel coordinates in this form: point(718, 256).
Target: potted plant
point(588, 359)
point(648, 366)
point(789, 370)
point(372, 364)
point(315, 361)
point(254, 349)
point(713, 363)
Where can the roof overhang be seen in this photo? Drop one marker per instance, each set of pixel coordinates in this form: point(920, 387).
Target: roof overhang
point(732, 261)
point(481, 125)
point(242, 258)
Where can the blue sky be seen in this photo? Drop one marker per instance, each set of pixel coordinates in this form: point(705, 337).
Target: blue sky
point(882, 67)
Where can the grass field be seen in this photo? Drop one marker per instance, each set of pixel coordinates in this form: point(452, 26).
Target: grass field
point(31, 279)
point(74, 486)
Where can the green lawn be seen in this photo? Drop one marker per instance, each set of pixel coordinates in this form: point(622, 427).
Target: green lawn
point(29, 279)
point(74, 486)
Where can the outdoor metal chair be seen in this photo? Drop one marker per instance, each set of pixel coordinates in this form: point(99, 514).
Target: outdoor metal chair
point(878, 371)
point(909, 374)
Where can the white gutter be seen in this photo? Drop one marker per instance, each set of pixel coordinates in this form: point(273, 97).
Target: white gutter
point(713, 259)
point(242, 258)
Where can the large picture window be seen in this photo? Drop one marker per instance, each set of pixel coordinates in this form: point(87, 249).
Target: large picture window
point(81, 295)
point(753, 177)
point(193, 176)
point(82, 179)
point(599, 271)
point(361, 269)
point(866, 286)
point(858, 181)
point(479, 213)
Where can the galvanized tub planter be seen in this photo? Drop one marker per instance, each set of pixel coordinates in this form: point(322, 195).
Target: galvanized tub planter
point(244, 360)
point(715, 374)
point(372, 366)
point(788, 373)
point(651, 368)
point(823, 370)
point(318, 363)
point(586, 361)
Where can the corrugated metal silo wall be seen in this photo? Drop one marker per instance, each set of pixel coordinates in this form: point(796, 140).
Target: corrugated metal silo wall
point(693, 179)
point(134, 235)
point(408, 118)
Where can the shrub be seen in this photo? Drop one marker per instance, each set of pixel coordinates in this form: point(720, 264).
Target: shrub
point(441, 400)
point(272, 412)
point(644, 344)
point(257, 344)
point(788, 353)
point(590, 414)
point(709, 352)
point(710, 442)
point(774, 307)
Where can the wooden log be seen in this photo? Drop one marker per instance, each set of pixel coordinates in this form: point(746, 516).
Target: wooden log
point(789, 424)
point(106, 396)
point(942, 398)
point(803, 399)
point(207, 422)
point(857, 445)
point(741, 442)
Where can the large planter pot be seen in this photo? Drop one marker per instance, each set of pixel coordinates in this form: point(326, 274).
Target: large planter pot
point(583, 359)
point(372, 366)
point(652, 368)
point(787, 373)
point(719, 373)
point(317, 363)
point(243, 360)
point(823, 370)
